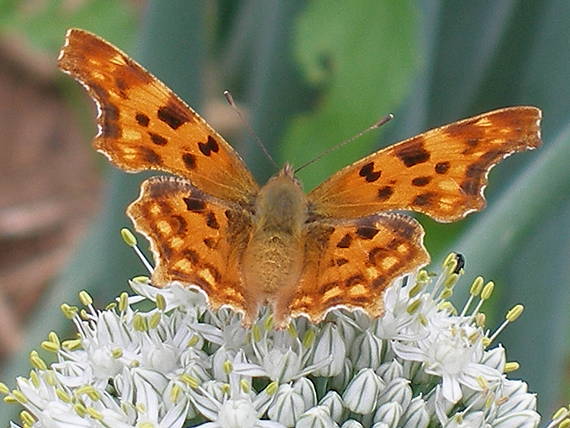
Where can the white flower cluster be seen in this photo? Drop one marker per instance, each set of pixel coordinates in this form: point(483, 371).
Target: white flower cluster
point(160, 358)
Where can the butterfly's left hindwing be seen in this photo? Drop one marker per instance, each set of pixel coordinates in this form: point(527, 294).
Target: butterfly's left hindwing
point(195, 238)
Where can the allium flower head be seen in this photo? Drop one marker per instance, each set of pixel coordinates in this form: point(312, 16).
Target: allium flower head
point(175, 363)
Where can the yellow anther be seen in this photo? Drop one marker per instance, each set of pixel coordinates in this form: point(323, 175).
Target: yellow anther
point(27, 418)
point(85, 298)
point(193, 340)
point(154, 320)
point(450, 260)
point(52, 337)
point(272, 388)
point(486, 342)
point(128, 237)
point(111, 306)
point(308, 338)
point(416, 289)
point(422, 277)
point(450, 280)
point(564, 424)
point(116, 353)
point(160, 302)
point(292, 330)
point(175, 393)
point(145, 425)
point(482, 382)
point(68, 311)
point(245, 386)
point(94, 395)
point(487, 290)
point(511, 366)
point(446, 294)
point(85, 389)
point(189, 380)
point(71, 344)
point(62, 395)
point(83, 314)
point(255, 333)
point(141, 279)
point(140, 323)
point(477, 286)
point(480, 319)
point(514, 313)
point(49, 346)
point(490, 400)
point(50, 378)
point(225, 388)
point(268, 322)
point(423, 320)
point(36, 361)
point(35, 379)
point(447, 306)
point(228, 367)
point(94, 413)
point(4, 389)
point(19, 395)
point(473, 337)
point(561, 413)
point(123, 301)
point(414, 306)
point(10, 399)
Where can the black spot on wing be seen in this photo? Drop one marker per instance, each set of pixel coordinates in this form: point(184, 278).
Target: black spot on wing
point(157, 139)
point(209, 146)
point(173, 114)
point(142, 119)
point(189, 160)
point(413, 153)
point(193, 204)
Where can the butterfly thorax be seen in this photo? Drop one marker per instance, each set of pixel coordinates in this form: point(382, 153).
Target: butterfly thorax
point(273, 260)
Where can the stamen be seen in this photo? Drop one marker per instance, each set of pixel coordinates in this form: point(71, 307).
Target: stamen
point(131, 241)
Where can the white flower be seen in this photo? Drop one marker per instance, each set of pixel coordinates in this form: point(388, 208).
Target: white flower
point(173, 363)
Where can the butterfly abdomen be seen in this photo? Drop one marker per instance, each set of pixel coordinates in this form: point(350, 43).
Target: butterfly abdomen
point(273, 259)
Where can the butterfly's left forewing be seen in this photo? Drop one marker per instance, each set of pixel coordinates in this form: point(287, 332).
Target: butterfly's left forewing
point(441, 173)
point(144, 125)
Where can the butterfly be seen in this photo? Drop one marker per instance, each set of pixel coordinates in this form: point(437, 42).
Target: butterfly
point(212, 227)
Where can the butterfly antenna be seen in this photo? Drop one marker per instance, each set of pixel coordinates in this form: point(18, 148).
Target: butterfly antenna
point(231, 102)
point(375, 125)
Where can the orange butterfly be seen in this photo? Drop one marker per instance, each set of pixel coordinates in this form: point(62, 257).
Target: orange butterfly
point(244, 246)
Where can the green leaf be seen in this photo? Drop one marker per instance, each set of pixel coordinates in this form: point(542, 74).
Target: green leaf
point(362, 59)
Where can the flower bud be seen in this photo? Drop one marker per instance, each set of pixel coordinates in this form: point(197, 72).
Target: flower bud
point(237, 414)
point(305, 388)
point(329, 343)
point(416, 415)
point(495, 358)
point(361, 394)
point(389, 414)
point(316, 417)
point(366, 351)
point(522, 419)
point(351, 423)
point(397, 391)
point(339, 382)
point(333, 402)
point(390, 371)
point(287, 407)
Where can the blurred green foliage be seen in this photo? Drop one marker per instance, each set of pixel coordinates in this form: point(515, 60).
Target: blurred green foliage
point(313, 73)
